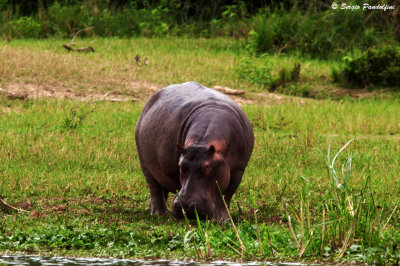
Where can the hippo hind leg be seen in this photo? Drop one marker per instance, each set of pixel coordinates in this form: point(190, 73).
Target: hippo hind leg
point(158, 196)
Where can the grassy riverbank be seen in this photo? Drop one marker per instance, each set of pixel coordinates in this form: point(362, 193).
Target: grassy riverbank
point(85, 195)
point(73, 166)
point(44, 65)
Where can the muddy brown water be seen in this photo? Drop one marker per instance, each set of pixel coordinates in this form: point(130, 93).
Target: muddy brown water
point(36, 260)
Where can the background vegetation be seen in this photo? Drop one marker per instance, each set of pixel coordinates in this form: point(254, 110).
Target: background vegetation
point(322, 183)
point(309, 28)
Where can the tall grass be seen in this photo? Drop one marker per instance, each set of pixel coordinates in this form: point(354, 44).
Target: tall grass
point(319, 34)
point(346, 220)
point(133, 18)
point(313, 30)
point(374, 67)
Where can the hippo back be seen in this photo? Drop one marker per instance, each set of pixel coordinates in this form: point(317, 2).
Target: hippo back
point(166, 119)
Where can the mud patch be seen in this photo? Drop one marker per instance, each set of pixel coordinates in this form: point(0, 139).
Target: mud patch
point(131, 92)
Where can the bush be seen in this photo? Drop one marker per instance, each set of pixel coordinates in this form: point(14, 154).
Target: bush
point(316, 34)
point(124, 23)
point(378, 66)
point(248, 70)
point(310, 29)
point(24, 27)
point(127, 21)
point(286, 76)
point(66, 20)
point(260, 74)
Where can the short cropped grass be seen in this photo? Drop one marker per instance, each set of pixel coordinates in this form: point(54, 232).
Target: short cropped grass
point(74, 167)
point(71, 183)
point(45, 64)
point(113, 65)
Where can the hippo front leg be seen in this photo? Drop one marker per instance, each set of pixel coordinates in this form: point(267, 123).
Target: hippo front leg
point(158, 196)
point(221, 213)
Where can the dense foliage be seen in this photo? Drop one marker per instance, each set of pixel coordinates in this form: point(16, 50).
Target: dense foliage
point(378, 66)
point(310, 28)
point(322, 34)
point(126, 18)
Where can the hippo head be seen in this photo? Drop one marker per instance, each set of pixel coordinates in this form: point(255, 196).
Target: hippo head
point(201, 169)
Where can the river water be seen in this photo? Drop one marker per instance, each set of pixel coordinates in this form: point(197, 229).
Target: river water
point(36, 260)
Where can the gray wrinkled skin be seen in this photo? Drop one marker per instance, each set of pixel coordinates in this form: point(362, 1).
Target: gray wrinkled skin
point(189, 139)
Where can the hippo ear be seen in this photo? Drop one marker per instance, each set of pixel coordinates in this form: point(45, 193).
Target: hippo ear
point(180, 148)
point(211, 150)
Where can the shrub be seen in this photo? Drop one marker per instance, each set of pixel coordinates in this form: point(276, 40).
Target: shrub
point(317, 34)
point(124, 23)
point(378, 66)
point(248, 70)
point(286, 76)
point(24, 27)
point(260, 73)
point(66, 20)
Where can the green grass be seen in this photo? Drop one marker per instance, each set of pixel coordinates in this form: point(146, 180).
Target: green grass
point(212, 62)
point(307, 29)
point(86, 195)
point(74, 166)
point(170, 60)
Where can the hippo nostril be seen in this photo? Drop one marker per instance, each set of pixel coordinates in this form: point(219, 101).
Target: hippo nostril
point(203, 206)
point(177, 210)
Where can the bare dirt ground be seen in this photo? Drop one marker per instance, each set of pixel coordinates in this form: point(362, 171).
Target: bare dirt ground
point(57, 91)
point(134, 92)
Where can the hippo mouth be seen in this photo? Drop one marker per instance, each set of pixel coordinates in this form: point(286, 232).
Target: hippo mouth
point(204, 209)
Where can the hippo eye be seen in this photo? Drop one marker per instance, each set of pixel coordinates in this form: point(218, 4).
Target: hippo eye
point(206, 168)
point(184, 169)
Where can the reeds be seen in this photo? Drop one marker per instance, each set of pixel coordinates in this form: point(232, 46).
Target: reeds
point(350, 214)
point(317, 33)
point(345, 220)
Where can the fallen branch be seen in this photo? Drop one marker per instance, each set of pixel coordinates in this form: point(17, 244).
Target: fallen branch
point(80, 49)
point(85, 49)
point(79, 31)
point(69, 45)
point(228, 90)
point(7, 207)
point(19, 96)
point(13, 96)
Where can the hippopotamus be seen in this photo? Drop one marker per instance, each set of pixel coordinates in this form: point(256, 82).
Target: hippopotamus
point(196, 142)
